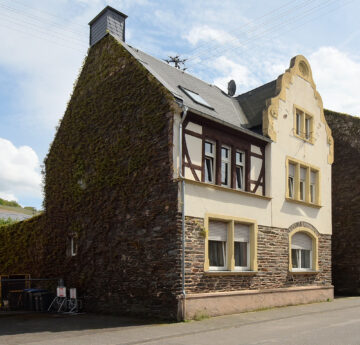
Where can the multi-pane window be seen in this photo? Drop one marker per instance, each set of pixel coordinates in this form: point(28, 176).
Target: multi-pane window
point(231, 245)
point(302, 182)
point(240, 169)
point(241, 246)
point(218, 232)
point(301, 252)
point(291, 179)
point(209, 162)
point(225, 166)
point(303, 125)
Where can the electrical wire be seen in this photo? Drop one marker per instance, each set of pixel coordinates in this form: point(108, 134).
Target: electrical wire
point(258, 23)
point(292, 19)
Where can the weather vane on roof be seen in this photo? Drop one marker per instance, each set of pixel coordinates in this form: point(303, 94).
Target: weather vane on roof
point(177, 62)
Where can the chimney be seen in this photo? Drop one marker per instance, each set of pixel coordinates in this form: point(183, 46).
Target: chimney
point(108, 20)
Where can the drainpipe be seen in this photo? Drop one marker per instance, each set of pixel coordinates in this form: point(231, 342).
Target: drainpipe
point(185, 111)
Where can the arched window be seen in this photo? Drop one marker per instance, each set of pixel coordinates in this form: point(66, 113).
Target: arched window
point(303, 254)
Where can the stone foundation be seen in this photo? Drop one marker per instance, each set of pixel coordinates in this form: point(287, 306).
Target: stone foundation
point(273, 274)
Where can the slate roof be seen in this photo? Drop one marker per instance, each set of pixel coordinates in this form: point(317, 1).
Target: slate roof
point(253, 102)
point(226, 109)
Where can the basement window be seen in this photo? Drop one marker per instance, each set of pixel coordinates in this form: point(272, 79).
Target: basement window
point(195, 97)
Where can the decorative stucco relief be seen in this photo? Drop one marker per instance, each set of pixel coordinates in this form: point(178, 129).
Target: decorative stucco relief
point(301, 67)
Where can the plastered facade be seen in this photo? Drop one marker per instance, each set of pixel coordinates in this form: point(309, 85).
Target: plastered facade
point(297, 91)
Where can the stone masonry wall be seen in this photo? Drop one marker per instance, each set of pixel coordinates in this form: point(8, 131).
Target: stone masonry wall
point(345, 202)
point(273, 263)
point(108, 184)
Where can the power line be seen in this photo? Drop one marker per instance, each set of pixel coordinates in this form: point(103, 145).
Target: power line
point(259, 23)
point(63, 20)
point(293, 19)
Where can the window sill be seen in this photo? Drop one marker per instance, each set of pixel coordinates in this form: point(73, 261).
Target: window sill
point(303, 272)
point(310, 141)
point(228, 189)
point(230, 273)
point(305, 203)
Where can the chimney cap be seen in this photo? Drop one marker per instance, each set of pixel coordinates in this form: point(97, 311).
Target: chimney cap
point(104, 10)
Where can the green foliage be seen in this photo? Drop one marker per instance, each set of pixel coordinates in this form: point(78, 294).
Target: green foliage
point(201, 315)
point(8, 221)
point(9, 203)
point(21, 246)
point(106, 168)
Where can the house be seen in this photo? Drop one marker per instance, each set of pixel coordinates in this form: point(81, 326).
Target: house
point(345, 202)
point(167, 197)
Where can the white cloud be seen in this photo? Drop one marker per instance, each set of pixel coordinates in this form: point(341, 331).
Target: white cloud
point(19, 171)
point(208, 34)
point(228, 69)
point(337, 76)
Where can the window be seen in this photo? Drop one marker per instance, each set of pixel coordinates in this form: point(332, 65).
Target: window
point(302, 182)
point(291, 178)
point(303, 250)
point(73, 245)
point(195, 97)
point(313, 178)
point(240, 169)
point(241, 246)
point(230, 244)
point(225, 166)
point(209, 161)
point(218, 232)
point(303, 125)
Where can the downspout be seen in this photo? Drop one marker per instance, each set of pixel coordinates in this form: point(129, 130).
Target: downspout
point(185, 111)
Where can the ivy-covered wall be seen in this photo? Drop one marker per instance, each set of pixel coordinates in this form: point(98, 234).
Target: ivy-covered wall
point(22, 247)
point(345, 202)
point(108, 182)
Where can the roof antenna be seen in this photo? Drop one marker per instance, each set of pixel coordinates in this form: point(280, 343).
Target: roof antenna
point(177, 62)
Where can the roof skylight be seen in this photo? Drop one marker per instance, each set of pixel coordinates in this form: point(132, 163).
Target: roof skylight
point(195, 97)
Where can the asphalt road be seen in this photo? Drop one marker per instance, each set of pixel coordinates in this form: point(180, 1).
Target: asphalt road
point(329, 323)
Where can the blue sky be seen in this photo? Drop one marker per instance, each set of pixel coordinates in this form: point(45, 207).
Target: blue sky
point(43, 45)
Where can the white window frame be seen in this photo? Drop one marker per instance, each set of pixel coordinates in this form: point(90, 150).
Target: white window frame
point(302, 184)
point(73, 245)
point(291, 182)
point(307, 127)
point(212, 156)
point(299, 116)
point(302, 269)
point(226, 162)
point(313, 187)
point(239, 165)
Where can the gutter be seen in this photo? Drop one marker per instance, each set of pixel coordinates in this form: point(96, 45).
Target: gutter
point(185, 112)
